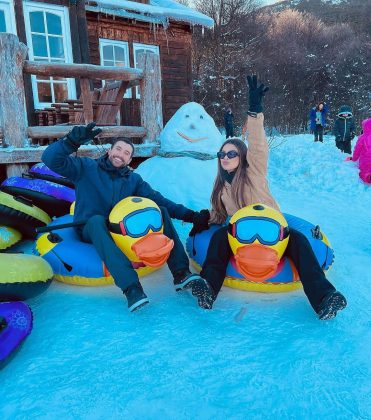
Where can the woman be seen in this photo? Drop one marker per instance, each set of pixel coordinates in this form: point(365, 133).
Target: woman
point(318, 116)
point(242, 180)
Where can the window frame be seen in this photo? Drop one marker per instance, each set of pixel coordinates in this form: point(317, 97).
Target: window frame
point(123, 44)
point(63, 13)
point(149, 47)
point(7, 6)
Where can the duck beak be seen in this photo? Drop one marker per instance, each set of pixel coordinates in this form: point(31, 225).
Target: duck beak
point(257, 262)
point(153, 249)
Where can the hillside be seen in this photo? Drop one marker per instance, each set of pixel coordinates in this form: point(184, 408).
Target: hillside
point(356, 13)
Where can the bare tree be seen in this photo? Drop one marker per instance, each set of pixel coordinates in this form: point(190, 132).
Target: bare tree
point(302, 59)
point(220, 56)
point(306, 61)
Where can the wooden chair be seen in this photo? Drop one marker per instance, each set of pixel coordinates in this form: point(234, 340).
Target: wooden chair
point(106, 105)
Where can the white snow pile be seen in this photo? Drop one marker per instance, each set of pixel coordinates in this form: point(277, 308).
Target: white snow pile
point(160, 8)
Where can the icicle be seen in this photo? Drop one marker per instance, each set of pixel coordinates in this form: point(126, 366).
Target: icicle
point(167, 39)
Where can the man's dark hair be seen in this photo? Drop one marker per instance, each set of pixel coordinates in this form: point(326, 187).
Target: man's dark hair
point(125, 140)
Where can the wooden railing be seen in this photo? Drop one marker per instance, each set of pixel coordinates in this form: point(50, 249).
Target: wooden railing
point(15, 131)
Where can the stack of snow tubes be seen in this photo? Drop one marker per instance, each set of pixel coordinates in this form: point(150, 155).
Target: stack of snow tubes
point(26, 203)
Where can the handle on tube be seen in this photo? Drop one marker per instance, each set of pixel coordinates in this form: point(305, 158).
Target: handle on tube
point(49, 228)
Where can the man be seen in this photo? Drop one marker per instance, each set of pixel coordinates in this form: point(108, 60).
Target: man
point(318, 116)
point(100, 184)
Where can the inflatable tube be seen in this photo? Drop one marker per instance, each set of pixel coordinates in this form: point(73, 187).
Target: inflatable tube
point(73, 261)
point(8, 237)
point(23, 276)
point(285, 278)
point(15, 326)
point(54, 199)
point(41, 171)
point(20, 214)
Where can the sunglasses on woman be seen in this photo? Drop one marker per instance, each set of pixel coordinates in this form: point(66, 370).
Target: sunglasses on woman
point(230, 155)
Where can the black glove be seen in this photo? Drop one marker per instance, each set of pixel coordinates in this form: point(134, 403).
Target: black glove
point(200, 222)
point(81, 134)
point(256, 94)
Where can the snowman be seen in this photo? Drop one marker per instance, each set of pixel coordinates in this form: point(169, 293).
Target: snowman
point(186, 165)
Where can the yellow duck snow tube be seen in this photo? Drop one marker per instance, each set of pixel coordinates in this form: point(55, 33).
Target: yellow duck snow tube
point(136, 226)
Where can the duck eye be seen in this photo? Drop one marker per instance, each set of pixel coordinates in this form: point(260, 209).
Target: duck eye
point(187, 116)
point(202, 117)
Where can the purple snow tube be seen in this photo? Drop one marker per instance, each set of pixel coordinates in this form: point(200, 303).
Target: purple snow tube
point(41, 171)
point(54, 199)
point(15, 326)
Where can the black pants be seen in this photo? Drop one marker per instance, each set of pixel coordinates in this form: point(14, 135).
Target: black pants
point(119, 266)
point(318, 133)
point(315, 283)
point(229, 131)
point(344, 146)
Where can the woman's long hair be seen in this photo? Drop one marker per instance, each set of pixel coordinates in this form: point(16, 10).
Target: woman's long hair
point(238, 184)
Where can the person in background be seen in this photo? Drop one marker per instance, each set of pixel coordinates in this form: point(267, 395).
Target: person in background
point(228, 122)
point(318, 116)
point(344, 129)
point(362, 152)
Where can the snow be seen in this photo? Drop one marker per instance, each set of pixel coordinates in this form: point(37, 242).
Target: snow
point(158, 8)
point(253, 356)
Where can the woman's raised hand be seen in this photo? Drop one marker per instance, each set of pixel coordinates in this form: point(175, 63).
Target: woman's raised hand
point(256, 94)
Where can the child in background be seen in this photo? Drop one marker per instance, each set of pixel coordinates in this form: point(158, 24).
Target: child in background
point(362, 152)
point(344, 129)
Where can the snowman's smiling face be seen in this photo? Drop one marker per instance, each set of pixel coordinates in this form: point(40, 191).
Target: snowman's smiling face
point(191, 129)
point(192, 126)
point(191, 140)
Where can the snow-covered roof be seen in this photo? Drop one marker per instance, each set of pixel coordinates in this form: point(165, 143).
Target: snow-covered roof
point(157, 11)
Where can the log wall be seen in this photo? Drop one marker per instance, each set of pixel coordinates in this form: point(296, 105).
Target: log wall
point(175, 58)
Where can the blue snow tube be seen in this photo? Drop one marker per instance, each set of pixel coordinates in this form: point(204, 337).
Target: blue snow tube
point(285, 278)
point(54, 199)
point(41, 171)
point(15, 326)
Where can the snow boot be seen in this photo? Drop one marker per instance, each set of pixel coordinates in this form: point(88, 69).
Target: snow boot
point(183, 279)
point(204, 293)
point(136, 297)
point(330, 305)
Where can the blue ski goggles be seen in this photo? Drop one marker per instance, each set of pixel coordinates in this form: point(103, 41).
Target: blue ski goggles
point(139, 223)
point(249, 229)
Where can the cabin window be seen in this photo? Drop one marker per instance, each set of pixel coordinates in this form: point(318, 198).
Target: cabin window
point(140, 49)
point(49, 41)
point(114, 53)
point(7, 19)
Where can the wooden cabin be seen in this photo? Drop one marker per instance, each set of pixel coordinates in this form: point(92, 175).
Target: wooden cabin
point(107, 33)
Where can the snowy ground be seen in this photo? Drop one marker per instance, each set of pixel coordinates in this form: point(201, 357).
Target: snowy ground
point(253, 356)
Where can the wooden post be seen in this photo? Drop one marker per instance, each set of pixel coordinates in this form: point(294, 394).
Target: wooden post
point(12, 97)
point(151, 97)
point(87, 100)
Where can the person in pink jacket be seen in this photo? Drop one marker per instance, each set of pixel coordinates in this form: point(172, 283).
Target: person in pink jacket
point(362, 152)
